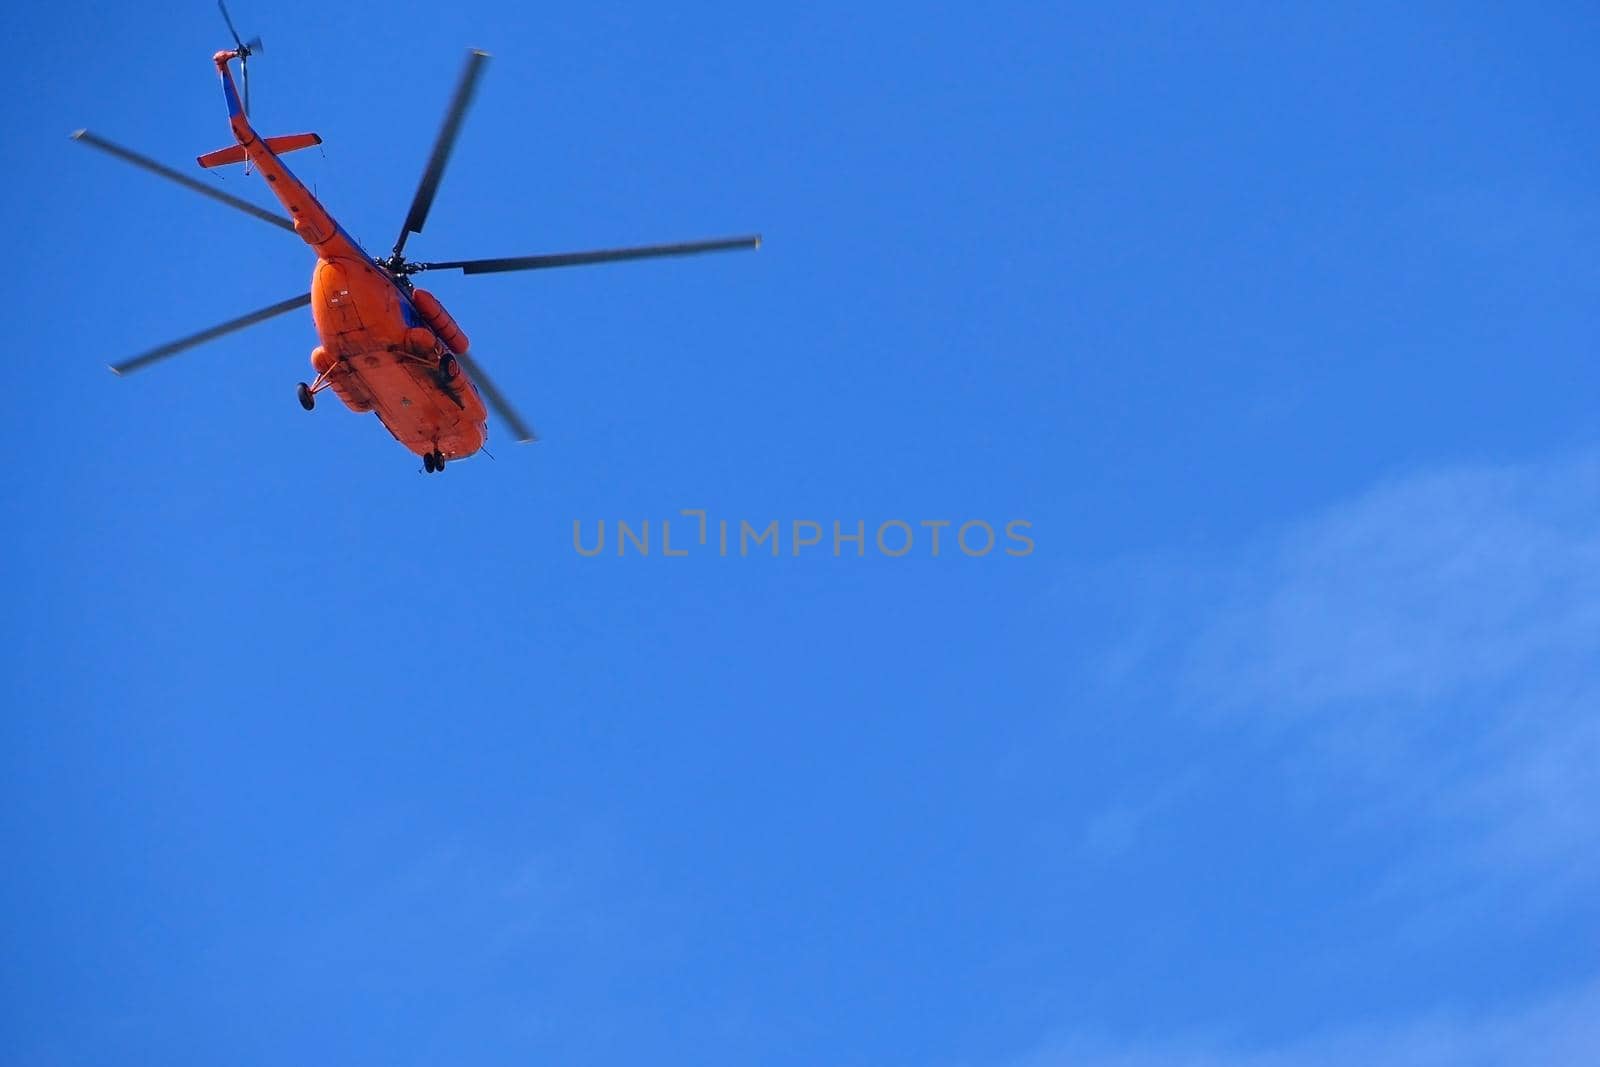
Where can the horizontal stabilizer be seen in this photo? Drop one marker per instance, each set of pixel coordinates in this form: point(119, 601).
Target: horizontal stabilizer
point(277, 145)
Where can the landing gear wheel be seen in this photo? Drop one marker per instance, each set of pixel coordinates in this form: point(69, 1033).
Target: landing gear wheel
point(427, 462)
point(449, 369)
point(303, 391)
point(438, 460)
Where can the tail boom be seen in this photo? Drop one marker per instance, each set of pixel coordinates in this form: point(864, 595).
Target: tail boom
point(311, 220)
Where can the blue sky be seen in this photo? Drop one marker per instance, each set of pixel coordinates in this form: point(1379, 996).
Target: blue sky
point(1279, 749)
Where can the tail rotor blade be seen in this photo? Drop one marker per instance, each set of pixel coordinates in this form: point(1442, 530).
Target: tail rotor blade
point(609, 255)
point(166, 351)
point(497, 400)
point(454, 114)
point(229, 20)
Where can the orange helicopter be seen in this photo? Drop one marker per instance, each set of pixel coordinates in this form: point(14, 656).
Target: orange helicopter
point(387, 346)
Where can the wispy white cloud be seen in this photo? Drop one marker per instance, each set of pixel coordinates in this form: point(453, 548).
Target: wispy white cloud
point(1559, 1030)
point(1116, 828)
point(1433, 648)
point(1426, 658)
point(1417, 591)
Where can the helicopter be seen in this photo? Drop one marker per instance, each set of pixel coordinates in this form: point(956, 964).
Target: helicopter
point(387, 346)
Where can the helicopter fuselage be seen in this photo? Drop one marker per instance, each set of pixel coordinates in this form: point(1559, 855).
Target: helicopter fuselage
point(386, 347)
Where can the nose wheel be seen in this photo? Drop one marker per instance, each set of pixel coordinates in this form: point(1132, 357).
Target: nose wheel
point(308, 400)
point(433, 462)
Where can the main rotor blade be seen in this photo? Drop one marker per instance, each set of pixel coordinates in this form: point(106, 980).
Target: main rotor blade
point(610, 255)
point(127, 154)
point(497, 401)
point(143, 360)
point(457, 111)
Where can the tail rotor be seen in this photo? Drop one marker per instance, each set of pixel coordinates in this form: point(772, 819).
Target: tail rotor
point(246, 50)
